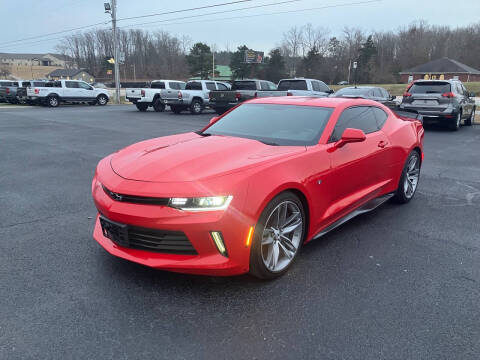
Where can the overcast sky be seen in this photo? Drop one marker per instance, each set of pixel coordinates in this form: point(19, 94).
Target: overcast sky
point(28, 18)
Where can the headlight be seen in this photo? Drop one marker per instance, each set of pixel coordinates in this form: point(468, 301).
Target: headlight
point(209, 203)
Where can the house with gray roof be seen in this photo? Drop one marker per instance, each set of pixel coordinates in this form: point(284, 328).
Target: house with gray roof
point(441, 69)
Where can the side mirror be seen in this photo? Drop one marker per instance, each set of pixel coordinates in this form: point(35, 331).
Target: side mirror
point(330, 91)
point(214, 119)
point(392, 97)
point(471, 94)
point(350, 136)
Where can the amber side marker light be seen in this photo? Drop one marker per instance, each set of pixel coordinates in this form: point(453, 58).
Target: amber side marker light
point(249, 236)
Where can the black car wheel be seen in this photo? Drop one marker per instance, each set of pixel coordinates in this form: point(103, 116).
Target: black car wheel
point(52, 101)
point(471, 118)
point(278, 236)
point(409, 179)
point(158, 106)
point(455, 123)
point(102, 100)
point(141, 106)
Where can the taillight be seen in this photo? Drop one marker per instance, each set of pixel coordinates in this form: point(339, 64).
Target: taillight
point(36, 91)
point(406, 94)
point(7, 90)
point(289, 94)
point(237, 96)
point(180, 95)
point(142, 93)
point(448, 94)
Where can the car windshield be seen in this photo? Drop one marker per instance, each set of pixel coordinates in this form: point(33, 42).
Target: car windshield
point(354, 92)
point(244, 85)
point(274, 124)
point(430, 88)
point(292, 85)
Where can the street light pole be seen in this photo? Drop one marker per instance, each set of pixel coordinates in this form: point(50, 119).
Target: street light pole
point(115, 51)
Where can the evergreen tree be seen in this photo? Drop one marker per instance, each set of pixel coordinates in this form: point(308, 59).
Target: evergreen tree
point(276, 69)
point(240, 69)
point(200, 60)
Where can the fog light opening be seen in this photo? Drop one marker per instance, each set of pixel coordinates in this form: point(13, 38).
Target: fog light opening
point(249, 237)
point(218, 240)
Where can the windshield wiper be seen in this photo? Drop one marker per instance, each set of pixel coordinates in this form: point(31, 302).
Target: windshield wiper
point(202, 133)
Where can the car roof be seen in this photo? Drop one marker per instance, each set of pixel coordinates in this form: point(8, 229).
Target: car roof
point(314, 101)
point(361, 87)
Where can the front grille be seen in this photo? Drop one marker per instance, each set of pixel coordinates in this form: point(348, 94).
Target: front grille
point(164, 241)
point(136, 199)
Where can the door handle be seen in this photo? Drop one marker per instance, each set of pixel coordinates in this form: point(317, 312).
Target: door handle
point(382, 144)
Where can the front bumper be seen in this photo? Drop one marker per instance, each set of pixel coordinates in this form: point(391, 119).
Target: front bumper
point(195, 225)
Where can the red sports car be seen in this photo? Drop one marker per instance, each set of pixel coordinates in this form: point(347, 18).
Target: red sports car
point(246, 192)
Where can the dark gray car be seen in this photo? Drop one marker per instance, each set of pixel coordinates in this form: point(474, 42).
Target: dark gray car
point(445, 101)
point(367, 92)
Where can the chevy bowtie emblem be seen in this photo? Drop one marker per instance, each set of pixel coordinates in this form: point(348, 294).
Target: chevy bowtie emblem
point(117, 197)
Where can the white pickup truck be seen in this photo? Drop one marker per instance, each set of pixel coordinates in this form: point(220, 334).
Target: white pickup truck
point(146, 97)
point(194, 97)
point(53, 93)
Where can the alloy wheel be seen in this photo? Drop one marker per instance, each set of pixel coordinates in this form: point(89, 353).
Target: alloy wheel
point(459, 119)
point(197, 107)
point(102, 100)
point(53, 101)
point(412, 175)
point(281, 236)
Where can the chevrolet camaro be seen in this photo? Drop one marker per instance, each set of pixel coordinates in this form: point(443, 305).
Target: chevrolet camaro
point(244, 194)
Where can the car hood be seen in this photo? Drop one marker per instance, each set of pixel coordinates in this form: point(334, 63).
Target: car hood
point(192, 157)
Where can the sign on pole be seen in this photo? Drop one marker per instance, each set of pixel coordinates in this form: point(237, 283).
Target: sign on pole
point(253, 57)
point(354, 64)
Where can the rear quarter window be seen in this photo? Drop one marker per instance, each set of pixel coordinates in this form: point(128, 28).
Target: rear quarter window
point(157, 85)
point(244, 85)
point(194, 85)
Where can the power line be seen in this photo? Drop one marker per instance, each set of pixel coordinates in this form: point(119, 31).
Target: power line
point(135, 17)
point(216, 12)
point(178, 11)
point(165, 22)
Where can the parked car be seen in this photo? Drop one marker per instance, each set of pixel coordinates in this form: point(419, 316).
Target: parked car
point(194, 97)
point(22, 90)
point(9, 93)
point(302, 87)
point(342, 83)
point(3, 84)
point(247, 191)
point(368, 92)
point(146, 97)
point(53, 93)
point(223, 100)
point(444, 101)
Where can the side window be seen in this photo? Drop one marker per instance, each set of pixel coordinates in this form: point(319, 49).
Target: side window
point(464, 90)
point(221, 86)
point(174, 85)
point(385, 94)
point(316, 86)
point(323, 86)
point(377, 93)
point(358, 117)
point(272, 86)
point(210, 86)
point(84, 85)
point(157, 85)
point(71, 84)
point(380, 116)
point(264, 85)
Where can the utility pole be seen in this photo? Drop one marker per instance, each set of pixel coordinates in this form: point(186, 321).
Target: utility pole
point(111, 8)
point(213, 65)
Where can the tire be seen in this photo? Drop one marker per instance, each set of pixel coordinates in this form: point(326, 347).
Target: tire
point(471, 118)
point(455, 123)
point(102, 100)
point(196, 107)
point(176, 109)
point(158, 106)
point(409, 179)
point(53, 101)
point(270, 244)
point(141, 106)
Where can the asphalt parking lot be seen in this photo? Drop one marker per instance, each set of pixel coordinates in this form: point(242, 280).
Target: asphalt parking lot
point(402, 282)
